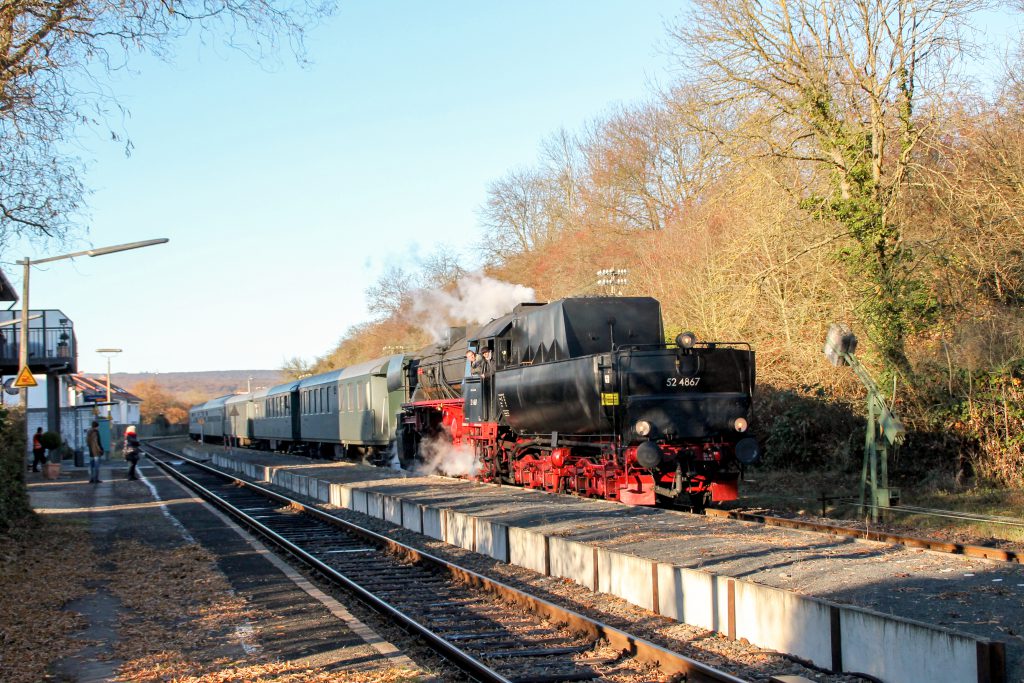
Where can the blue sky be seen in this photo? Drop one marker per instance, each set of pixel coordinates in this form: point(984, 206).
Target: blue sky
point(285, 191)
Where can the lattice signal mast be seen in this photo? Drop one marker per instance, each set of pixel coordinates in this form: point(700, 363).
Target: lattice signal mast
point(885, 432)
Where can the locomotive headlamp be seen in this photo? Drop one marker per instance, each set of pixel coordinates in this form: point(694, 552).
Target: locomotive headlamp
point(686, 340)
point(643, 427)
point(740, 425)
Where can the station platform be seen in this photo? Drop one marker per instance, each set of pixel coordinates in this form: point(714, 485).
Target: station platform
point(901, 615)
point(260, 616)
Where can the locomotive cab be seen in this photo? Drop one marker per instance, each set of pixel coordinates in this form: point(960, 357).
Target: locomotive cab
point(478, 391)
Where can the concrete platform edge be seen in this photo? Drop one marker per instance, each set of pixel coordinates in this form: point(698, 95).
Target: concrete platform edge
point(890, 648)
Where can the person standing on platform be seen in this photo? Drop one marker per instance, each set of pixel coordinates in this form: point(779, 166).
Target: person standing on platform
point(131, 451)
point(92, 440)
point(38, 452)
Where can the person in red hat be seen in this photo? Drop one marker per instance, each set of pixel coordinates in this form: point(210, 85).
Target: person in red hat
point(131, 451)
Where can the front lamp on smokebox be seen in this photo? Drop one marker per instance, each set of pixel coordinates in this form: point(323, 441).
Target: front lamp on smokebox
point(686, 340)
point(642, 428)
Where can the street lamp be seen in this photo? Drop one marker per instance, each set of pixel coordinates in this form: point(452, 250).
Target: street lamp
point(28, 263)
point(109, 353)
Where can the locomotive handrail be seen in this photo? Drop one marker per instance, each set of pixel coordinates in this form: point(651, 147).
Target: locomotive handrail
point(435, 369)
point(669, 345)
point(700, 344)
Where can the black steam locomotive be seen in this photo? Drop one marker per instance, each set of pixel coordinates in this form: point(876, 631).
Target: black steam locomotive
point(585, 396)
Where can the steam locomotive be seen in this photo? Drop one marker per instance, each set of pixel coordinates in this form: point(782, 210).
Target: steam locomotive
point(584, 397)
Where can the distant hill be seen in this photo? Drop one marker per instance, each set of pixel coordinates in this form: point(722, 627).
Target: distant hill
point(196, 386)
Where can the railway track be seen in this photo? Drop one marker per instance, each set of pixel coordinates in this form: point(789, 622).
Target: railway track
point(489, 630)
point(908, 540)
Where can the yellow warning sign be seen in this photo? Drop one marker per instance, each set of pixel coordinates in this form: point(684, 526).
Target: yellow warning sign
point(609, 399)
point(25, 379)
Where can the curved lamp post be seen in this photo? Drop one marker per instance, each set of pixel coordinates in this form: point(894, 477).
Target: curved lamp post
point(28, 263)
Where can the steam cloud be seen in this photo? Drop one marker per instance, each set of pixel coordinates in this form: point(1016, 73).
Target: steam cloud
point(441, 456)
point(475, 299)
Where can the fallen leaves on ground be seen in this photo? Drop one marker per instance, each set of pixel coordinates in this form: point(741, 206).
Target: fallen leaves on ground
point(179, 620)
point(43, 566)
point(181, 624)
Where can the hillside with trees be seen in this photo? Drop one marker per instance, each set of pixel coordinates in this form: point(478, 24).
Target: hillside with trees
point(169, 395)
point(812, 163)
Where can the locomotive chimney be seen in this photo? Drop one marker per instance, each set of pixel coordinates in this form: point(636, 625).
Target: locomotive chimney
point(454, 335)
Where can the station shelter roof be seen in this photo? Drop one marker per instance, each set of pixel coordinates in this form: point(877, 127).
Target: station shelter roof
point(94, 389)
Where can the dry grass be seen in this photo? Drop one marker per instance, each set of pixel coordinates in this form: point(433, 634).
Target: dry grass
point(800, 493)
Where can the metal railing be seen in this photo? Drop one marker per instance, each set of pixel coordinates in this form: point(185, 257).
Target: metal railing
point(48, 347)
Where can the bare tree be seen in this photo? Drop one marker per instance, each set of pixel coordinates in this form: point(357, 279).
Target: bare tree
point(561, 163)
point(649, 163)
point(391, 291)
point(850, 86)
point(296, 367)
point(441, 268)
point(516, 217)
point(54, 56)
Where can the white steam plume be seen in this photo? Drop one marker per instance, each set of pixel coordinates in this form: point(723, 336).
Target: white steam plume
point(441, 456)
point(475, 299)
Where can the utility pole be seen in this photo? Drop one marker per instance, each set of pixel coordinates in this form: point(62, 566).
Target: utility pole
point(109, 353)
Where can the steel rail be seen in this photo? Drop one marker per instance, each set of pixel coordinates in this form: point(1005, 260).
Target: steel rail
point(908, 540)
point(957, 514)
point(461, 659)
point(638, 648)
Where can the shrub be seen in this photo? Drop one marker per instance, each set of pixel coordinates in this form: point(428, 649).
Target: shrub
point(50, 440)
point(14, 505)
point(806, 429)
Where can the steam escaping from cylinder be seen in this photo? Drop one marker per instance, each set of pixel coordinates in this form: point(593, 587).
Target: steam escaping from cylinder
point(476, 298)
point(440, 456)
point(392, 459)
